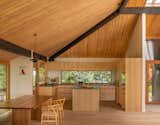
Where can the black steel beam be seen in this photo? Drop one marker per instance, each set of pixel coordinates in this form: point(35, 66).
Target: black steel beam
point(140, 10)
point(90, 31)
point(10, 47)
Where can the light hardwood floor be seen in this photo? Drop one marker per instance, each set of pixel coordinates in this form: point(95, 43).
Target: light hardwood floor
point(110, 114)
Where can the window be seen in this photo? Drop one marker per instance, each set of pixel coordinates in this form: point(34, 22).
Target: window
point(87, 76)
point(3, 81)
point(41, 73)
point(153, 3)
point(123, 78)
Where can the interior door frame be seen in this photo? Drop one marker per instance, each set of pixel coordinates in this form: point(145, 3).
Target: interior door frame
point(148, 62)
point(8, 78)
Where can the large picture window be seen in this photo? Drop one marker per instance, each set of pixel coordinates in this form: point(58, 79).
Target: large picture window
point(87, 76)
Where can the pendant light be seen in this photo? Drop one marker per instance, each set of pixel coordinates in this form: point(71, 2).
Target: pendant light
point(33, 58)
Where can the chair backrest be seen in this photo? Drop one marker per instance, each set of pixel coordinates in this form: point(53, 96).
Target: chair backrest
point(48, 102)
point(59, 101)
point(53, 108)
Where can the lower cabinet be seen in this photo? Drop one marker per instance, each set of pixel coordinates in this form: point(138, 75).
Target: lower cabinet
point(107, 93)
point(122, 96)
point(65, 91)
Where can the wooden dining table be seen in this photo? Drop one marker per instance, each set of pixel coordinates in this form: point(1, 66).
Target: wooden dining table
point(22, 108)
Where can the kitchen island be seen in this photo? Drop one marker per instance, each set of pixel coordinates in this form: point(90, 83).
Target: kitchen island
point(84, 99)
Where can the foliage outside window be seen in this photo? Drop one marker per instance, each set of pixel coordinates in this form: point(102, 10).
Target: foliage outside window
point(86, 76)
point(42, 73)
point(123, 78)
point(3, 81)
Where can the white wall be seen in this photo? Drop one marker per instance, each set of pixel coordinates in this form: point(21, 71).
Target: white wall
point(20, 84)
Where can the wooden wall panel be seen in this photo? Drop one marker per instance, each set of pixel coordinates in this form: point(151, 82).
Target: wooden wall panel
point(82, 65)
point(136, 3)
point(135, 43)
point(134, 84)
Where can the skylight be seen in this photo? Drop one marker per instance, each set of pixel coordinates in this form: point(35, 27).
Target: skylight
point(152, 2)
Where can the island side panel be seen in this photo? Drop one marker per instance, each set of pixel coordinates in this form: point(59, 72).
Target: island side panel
point(85, 100)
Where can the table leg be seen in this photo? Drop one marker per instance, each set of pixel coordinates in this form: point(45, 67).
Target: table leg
point(21, 117)
point(36, 114)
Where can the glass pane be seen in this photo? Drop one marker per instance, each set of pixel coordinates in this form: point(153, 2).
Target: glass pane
point(3, 81)
point(86, 76)
point(153, 3)
point(154, 83)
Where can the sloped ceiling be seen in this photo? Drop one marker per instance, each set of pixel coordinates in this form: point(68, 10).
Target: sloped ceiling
point(110, 41)
point(58, 22)
point(153, 26)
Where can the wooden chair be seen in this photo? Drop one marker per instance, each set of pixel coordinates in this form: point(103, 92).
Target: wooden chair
point(50, 116)
point(60, 104)
point(46, 104)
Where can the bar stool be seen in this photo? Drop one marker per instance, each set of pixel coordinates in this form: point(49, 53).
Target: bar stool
point(50, 116)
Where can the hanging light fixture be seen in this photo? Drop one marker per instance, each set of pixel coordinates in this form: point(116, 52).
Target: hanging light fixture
point(33, 58)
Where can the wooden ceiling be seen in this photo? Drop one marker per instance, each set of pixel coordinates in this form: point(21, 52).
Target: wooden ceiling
point(58, 22)
point(153, 26)
point(110, 41)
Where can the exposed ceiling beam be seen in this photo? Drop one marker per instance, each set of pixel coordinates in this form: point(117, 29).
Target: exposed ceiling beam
point(90, 31)
point(10, 47)
point(140, 10)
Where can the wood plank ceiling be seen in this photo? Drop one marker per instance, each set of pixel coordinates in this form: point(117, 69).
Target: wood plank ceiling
point(57, 22)
point(109, 41)
point(153, 26)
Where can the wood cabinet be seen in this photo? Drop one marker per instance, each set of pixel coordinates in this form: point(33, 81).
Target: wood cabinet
point(107, 93)
point(47, 91)
point(85, 100)
point(59, 91)
point(65, 91)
